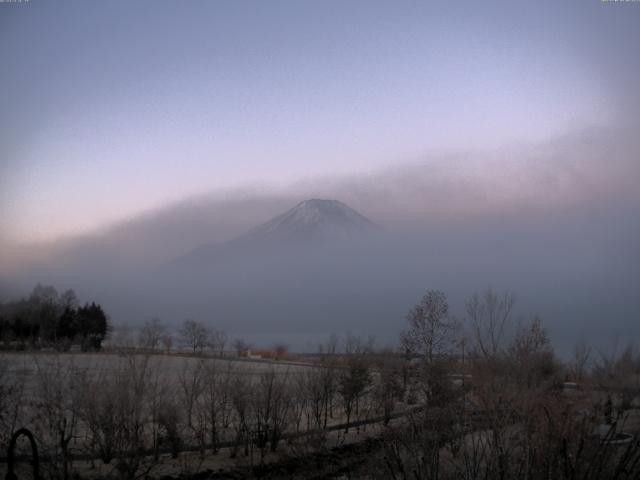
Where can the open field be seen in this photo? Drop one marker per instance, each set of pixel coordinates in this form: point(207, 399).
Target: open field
point(172, 366)
point(110, 415)
point(108, 407)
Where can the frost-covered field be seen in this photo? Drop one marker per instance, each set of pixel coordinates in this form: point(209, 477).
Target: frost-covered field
point(129, 410)
point(32, 369)
point(27, 364)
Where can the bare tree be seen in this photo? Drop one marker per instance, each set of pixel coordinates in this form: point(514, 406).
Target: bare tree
point(241, 393)
point(489, 317)
point(191, 381)
point(618, 374)
point(271, 405)
point(281, 350)
point(12, 386)
point(330, 347)
point(412, 450)
point(315, 395)
point(241, 347)
point(57, 404)
point(99, 414)
point(194, 335)
point(125, 410)
point(134, 395)
point(388, 388)
point(431, 330)
point(169, 418)
point(329, 376)
point(167, 342)
point(151, 334)
point(580, 361)
point(355, 379)
point(531, 354)
point(514, 390)
point(217, 383)
point(123, 337)
point(300, 400)
point(217, 341)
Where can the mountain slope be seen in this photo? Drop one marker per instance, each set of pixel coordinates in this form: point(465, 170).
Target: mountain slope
point(314, 221)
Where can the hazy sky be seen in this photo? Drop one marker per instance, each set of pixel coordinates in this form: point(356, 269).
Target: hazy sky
point(110, 108)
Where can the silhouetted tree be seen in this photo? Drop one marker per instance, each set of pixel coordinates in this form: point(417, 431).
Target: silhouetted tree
point(48, 318)
point(93, 326)
point(151, 334)
point(431, 330)
point(194, 335)
point(241, 347)
point(489, 317)
point(217, 341)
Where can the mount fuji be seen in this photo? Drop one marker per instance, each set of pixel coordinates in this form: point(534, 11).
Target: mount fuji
point(311, 223)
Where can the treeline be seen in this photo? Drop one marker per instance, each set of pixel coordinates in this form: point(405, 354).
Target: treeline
point(154, 336)
point(48, 319)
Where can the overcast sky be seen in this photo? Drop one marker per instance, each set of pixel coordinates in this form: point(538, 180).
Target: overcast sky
point(108, 109)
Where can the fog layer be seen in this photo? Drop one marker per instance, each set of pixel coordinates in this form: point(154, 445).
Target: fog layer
point(555, 223)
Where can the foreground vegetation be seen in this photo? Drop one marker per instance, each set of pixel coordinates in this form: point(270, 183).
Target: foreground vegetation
point(483, 398)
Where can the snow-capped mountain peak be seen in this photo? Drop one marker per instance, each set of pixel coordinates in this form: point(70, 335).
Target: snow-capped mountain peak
point(315, 218)
point(314, 221)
